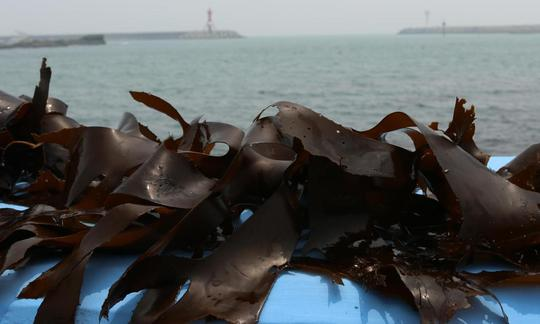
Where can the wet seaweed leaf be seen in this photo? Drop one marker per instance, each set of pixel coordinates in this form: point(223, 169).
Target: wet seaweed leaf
point(524, 169)
point(160, 105)
point(233, 282)
point(119, 153)
point(461, 130)
point(167, 178)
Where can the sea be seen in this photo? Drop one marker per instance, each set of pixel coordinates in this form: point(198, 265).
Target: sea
point(354, 80)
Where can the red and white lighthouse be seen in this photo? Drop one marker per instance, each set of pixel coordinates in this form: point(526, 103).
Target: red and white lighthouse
point(209, 21)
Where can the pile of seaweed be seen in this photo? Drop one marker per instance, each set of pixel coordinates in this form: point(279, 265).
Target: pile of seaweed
point(401, 221)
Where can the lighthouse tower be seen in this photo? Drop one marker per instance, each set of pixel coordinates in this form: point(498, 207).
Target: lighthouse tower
point(209, 22)
point(209, 30)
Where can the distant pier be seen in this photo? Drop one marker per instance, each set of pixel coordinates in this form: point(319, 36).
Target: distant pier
point(51, 41)
point(208, 32)
point(215, 34)
point(182, 35)
point(519, 29)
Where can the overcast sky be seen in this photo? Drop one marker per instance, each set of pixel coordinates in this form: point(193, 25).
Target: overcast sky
point(257, 17)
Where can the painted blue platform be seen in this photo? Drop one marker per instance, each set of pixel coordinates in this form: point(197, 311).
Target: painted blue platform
point(295, 298)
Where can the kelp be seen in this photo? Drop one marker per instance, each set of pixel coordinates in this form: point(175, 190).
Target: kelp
point(404, 222)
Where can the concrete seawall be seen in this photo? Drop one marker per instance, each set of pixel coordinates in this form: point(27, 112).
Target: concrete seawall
point(523, 29)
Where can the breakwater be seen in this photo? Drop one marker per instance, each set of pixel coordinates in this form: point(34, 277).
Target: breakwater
point(519, 29)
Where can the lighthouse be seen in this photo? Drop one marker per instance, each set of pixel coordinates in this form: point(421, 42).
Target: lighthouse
point(209, 21)
point(209, 31)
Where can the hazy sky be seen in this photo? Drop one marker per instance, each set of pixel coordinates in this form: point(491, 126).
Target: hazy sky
point(257, 17)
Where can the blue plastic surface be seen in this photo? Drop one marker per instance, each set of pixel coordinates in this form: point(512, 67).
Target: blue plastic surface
point(295, 298)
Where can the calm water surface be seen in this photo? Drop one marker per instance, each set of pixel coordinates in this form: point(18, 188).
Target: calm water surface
point(354, 80)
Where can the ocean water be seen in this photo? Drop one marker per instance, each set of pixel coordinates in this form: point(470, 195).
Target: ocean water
point(354, 80)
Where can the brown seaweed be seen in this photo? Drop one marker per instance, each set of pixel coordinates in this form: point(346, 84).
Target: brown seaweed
point(524, 169)
point(311, 184)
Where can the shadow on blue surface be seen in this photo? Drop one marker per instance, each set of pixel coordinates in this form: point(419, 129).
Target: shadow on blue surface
point(304, 298)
